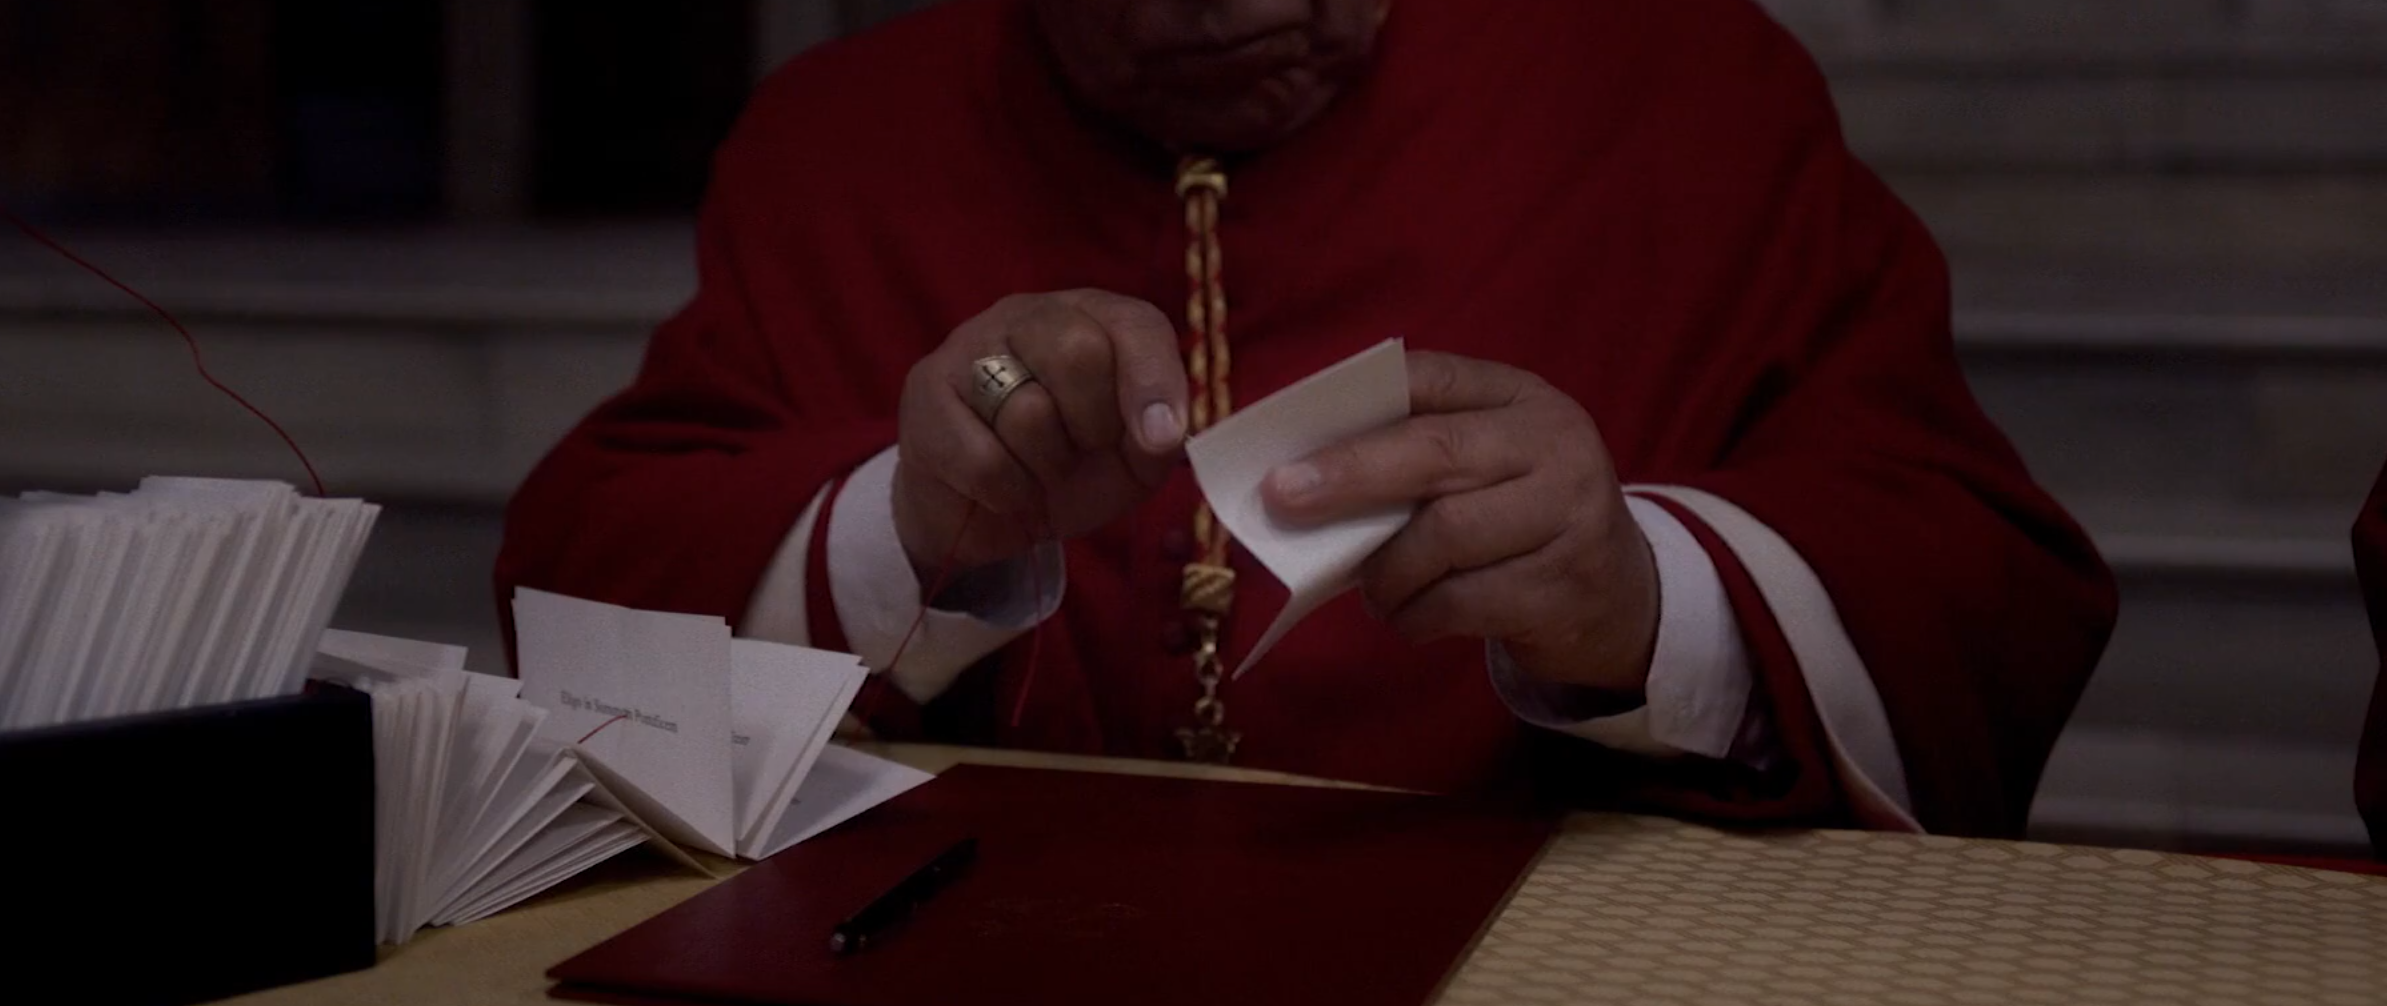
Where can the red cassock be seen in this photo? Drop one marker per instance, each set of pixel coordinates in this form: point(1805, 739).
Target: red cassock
point(1647, 204)
point(2370, 766)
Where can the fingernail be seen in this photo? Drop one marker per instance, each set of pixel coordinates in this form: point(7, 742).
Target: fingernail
point(1296, 480)
point(1161, 428)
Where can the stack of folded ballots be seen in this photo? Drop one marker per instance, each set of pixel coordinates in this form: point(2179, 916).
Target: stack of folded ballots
point(185, 592)
point(626, 727)
point(723, 744)
point(619, 733)
point(474, 810)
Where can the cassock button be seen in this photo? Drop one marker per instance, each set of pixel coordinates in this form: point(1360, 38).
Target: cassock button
point(1177, 638)
point(1176, 545)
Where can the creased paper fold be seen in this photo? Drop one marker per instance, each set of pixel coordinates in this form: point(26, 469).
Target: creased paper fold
point(1232, 459)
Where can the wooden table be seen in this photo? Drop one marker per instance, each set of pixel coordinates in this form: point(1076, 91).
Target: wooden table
point(1626, 909)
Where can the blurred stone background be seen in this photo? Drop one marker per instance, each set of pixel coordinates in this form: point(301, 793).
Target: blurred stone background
point(428, 234)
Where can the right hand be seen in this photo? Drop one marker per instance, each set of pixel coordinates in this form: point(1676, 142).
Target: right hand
point(1097, 431)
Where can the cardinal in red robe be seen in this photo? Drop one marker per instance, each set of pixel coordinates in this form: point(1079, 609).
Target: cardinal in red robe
point(2370, 765)
point(1704, 519)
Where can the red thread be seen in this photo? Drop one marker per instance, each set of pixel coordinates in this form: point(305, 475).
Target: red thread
point(944, 573)
point(1027, 680)
point(592, 733)
point(36, 234)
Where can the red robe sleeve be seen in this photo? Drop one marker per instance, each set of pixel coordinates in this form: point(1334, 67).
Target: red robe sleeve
point(1922, 616)
point(676, 493)
point(2370, 766)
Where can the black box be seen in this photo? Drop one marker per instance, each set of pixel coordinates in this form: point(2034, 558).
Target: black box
point(183, 856)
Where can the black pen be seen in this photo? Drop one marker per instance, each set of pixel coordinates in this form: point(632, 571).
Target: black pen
point(866, 927)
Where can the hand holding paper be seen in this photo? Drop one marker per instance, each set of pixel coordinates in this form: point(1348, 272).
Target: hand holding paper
point(1493, 512)
point(1232, 459)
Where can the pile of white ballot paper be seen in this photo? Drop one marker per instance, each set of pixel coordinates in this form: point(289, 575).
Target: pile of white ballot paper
point(184, 592)
point(626, 728)
point(474, 809)
point(721, 743)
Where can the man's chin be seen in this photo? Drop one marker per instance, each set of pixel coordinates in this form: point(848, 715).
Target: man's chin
point(1248, 125)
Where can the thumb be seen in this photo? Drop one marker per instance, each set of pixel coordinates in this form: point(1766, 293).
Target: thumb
point(1147, 371)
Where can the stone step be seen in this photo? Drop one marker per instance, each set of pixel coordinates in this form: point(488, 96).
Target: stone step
point(2102, 411)
point(2165, 445)
point(2230, 85)
point(2225, 714)
point(438, 368)
point(2108, 243)
point(1961, 32)
point(2122, 244)
point(621, 276)
point(2212, 121)
point(2191, 448)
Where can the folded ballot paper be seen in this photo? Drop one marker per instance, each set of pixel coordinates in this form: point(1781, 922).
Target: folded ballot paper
point(1232, 459)
point(474, 810)
point(626, 728)
point(722, 744)
point(184, 592)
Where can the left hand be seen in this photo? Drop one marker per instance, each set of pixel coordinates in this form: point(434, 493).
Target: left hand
point(1521, 534)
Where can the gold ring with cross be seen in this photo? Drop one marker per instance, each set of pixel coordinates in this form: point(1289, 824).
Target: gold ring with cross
point(992, 380)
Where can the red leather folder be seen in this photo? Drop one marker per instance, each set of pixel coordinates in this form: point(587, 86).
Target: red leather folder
point(1098, 889)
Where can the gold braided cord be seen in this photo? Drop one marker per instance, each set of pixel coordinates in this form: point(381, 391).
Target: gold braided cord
point(1202, 184)
point(1214, 289)
point(1208, 589)
point(1197, 313)
point(1201, 173)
